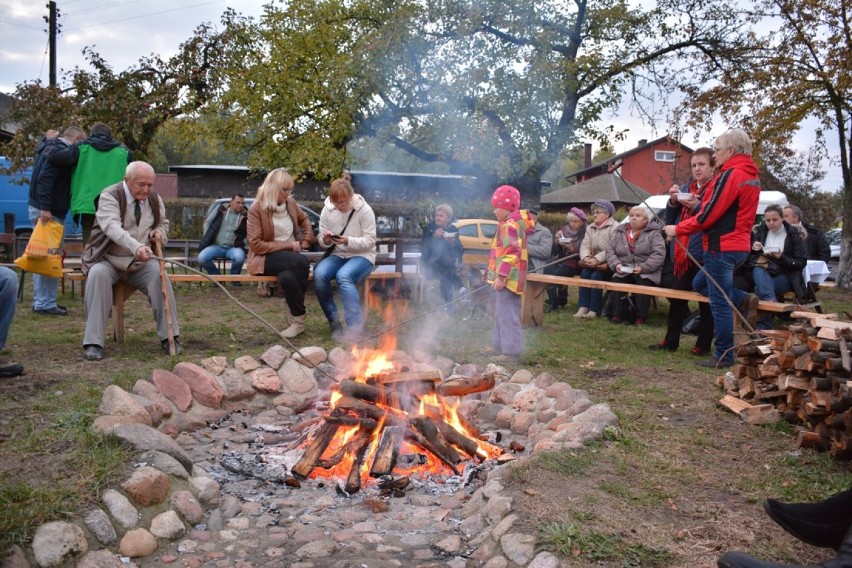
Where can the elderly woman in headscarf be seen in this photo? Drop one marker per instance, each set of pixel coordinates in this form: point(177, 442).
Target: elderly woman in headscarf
point(636, 256)
point(567, 247)
point(593, 250)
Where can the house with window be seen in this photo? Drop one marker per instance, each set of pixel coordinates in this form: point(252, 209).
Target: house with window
point(653, 166)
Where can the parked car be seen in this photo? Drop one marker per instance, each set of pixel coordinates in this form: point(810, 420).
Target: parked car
point(657, 204)
point(312, 215)
point(13, 201)
point(475, 236)
point(833, 236)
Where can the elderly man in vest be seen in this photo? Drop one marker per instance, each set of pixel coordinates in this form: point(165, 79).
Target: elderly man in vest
point(130, 217)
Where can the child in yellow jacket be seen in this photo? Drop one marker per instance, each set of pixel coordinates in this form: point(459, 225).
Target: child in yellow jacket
point(507, 272)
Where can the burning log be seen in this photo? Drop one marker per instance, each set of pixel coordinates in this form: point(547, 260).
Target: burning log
point(359, 390)
point(337, 457)
point(346, 420)
point(353, 481)
point(387, 451)
point(361, 407)
point(456, 438)
point(466, 385)
point(429, 429)
point(322, 438)
point(412, 435)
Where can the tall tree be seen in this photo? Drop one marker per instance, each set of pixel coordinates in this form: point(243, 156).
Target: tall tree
point(135, 102)
point(491, 88)
point(799, 69)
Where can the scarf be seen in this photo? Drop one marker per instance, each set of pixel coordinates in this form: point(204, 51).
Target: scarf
point(576, 238)
point(631, 238)
point(681, 261)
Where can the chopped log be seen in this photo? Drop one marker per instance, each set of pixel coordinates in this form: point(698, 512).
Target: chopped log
point(798, 350)
point(362, 391)
point(456, 438)
point(785, 382)
point(734, 404)
point(416, 437)
point(760, 414)
point(360, 406)
point(827, 333)
point(817, 344)
point(348, 420)
point(341, 452)
point(473, 431)
point(820, 357)
point(846, 360)
point(812, 316)
point(387, 452)
point(429, 429)
point(305, 424)
point(746, 388)
point(322, 438)
point(841, 448)
point(433, 376)
point(466, 385)
point(770, 394)
point(768, 371)
point(803, 361)
point(812, 440)
point(822, 383)
point(353, 480)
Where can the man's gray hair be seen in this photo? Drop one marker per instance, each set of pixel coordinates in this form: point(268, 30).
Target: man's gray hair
point(737, 140)
point(135, 167)
point(797, 211)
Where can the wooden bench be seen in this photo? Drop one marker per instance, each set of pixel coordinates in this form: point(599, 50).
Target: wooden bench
point(122, 290)
point(532, 302)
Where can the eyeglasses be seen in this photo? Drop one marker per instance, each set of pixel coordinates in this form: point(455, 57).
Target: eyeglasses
point(597, 211)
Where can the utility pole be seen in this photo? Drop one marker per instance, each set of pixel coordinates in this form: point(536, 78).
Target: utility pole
point(51, 25)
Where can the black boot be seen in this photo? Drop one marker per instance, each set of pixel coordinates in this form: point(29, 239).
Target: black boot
point(740, 560)
point(822, 524)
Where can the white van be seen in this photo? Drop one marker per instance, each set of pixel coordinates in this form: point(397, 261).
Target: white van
point(657, 204)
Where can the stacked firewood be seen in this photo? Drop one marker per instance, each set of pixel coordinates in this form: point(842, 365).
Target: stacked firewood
point(802, 375)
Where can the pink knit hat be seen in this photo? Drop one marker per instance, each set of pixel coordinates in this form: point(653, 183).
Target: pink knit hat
point(506, 197)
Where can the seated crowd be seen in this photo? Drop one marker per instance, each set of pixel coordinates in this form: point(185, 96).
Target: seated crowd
point(707, 245)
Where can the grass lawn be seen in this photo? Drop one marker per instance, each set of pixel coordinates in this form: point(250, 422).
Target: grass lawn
point(679, 483)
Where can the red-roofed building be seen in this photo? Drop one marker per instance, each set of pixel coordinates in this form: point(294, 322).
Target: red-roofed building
point(166, 185)
point(654, 166)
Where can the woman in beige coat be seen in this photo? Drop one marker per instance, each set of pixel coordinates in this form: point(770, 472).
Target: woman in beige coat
point(593, 251)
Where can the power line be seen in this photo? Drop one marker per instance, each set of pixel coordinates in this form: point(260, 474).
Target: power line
point(21, 25)
point(91, 10)
point(144, 15)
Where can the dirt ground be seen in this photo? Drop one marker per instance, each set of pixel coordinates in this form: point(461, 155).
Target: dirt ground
point(684, 477)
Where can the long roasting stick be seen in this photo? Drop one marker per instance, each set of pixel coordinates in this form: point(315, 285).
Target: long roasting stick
point(164, 284)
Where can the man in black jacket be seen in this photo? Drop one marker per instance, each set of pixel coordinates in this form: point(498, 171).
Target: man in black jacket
point(816, 243)
point(49, 199)
point(224, 237)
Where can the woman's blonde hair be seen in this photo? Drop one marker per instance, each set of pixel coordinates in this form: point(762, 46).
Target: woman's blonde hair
point(643, 210)
point(276, 181)
point(341, 188)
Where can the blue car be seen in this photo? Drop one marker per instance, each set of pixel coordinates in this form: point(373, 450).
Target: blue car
point(13, 200)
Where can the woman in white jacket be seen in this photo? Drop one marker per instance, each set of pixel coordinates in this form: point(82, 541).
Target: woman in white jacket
point(347, 227)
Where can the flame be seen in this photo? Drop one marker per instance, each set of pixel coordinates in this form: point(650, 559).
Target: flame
point(368, 366)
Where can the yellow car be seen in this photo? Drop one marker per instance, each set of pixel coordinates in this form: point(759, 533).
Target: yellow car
point(475, 236)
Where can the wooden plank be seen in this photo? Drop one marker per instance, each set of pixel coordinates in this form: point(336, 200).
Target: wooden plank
point(532, 301)
point(734, 404)
point(760, 414)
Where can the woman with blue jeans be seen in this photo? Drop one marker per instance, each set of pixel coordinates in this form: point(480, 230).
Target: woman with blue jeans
point(348, 233)
point(596, 242)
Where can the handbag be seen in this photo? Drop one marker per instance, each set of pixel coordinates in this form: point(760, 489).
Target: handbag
point(42, 255)
point(330, 249)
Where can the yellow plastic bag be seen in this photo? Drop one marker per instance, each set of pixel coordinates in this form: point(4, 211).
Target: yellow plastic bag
point(43, 254)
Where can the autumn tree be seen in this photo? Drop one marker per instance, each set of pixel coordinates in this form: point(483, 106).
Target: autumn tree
point(798, 69)
point(492, 88)
point(135, 102)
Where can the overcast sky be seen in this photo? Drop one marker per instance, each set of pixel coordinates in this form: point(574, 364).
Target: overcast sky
point(123, 31)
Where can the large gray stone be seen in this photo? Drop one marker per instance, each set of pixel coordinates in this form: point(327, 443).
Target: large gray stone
point(102, 559)
point(56, 542)
point(98, 522)
point(118, 402)
point(165, 463)
point(145, 438)
point(121, 509)
point(518, 547)
point(167, 525)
